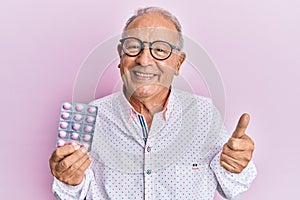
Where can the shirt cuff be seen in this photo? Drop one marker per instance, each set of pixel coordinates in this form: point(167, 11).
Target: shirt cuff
point(59, 187)
point(233, 184)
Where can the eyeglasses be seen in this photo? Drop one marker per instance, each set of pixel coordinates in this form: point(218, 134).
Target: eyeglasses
point(159, 49)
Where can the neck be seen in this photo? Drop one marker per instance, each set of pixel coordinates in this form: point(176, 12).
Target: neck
point(150, 105)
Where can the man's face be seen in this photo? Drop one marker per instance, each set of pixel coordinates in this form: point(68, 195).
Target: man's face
point(143, 75)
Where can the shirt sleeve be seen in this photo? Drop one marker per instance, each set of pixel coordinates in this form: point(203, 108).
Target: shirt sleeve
point(230, 185)
point(64, 191)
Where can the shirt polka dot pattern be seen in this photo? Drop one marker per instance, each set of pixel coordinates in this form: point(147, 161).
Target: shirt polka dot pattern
point(178, 158)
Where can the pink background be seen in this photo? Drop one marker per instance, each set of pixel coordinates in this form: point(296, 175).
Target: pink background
point(255, 45)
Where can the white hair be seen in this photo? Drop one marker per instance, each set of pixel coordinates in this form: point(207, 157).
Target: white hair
point(163, 12)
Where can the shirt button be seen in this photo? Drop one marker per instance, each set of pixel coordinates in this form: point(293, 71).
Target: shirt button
point(148, 148)
point(148, 171)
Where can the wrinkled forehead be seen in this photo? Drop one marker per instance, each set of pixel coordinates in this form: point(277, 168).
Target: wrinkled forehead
point(151, 34)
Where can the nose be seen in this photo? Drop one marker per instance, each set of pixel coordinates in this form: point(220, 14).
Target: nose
point(145, 58)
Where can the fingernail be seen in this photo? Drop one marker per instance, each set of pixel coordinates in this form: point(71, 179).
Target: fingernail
point(83, 149)
point(76, 147)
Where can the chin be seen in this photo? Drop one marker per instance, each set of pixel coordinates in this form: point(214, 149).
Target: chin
point(143, 94)
point(146, 91)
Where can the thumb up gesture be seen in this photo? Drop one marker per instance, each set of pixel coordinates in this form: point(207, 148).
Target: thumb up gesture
point(237, 152)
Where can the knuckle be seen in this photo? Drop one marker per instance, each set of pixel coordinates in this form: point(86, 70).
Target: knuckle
point(222, 164)
point(53, 172)
point(228, 144)
point(249, 144)
point(76, 154)
point(238, 170)
point(89, 162)
point(57, 152)
point(77, 180)
point(53, 156)
point(64, 164)
point(248, 157)
point(225, 148)
point(222, 156)
point(233, 144)
point(87, 165)
point(68, 181)
point(80, 171)
point(244, 164)
point(62, 179)
point(61, 151)
point(53, 169)
point(58, 174)
point(74, 167)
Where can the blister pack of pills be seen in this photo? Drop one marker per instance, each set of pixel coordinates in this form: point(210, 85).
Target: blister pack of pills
point(76, 124)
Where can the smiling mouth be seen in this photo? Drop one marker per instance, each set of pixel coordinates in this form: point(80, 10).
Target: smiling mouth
point(144, 75)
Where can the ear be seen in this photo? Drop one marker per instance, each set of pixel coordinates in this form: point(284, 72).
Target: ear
point(119, 48)
point(181, 59)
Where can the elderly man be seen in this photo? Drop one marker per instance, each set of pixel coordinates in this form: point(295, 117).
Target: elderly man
point(152, 141)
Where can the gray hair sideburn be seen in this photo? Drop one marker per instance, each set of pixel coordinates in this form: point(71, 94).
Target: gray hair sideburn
point(163, 12)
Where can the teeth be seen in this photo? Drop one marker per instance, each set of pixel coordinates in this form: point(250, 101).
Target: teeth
point(144, 75)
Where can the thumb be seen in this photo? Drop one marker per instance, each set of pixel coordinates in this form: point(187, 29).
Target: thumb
point(241, 126)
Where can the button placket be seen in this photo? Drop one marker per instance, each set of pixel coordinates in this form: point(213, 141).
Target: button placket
point(148, 171)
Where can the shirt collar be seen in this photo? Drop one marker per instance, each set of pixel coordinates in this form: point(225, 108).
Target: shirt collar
point(128, 112)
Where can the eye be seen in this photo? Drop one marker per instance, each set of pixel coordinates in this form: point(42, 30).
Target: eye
point(132, 47)
point(161, 47)
point(161, 50)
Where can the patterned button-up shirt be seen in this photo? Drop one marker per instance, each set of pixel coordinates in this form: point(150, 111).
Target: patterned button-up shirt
point(177, 158)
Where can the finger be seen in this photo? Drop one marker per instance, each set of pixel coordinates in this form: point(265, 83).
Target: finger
point(77, 177)
point(239, 165)
point(233, 163)
point(227, 166)
point(241, 126)
point(76, 166)
point(63, 151)
point(85, 165)
point(59, 154)
point(240, 156)
point(71, 159)
point(232, 153)
point(237, 144)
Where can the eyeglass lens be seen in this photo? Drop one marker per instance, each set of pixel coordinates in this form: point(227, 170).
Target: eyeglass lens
point(159, 49)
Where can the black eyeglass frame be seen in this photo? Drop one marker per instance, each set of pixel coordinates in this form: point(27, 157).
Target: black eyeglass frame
point(150, 47)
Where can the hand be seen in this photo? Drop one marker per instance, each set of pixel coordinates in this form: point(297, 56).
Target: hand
point(237, 152)
point(68, 163)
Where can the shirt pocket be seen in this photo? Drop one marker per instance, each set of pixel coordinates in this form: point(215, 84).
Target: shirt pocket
point(190, 181)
